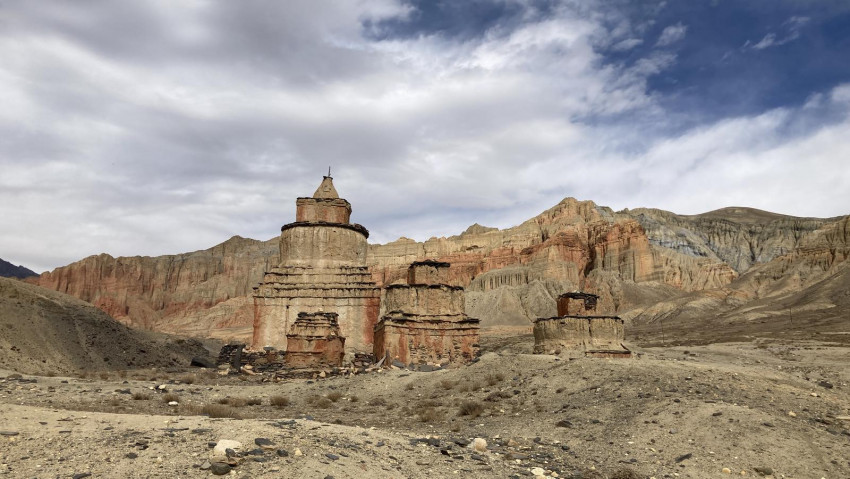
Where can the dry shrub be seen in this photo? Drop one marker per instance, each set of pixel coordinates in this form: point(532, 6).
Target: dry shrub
point(237, 402)
point(219, 410)
point(255, 401)
point(429, 414)
point(625, 473)
point(320, 402)
point(447, 384)
point(104, 376)
point(223, 400)
point(354, 399)
point(279, 401)
point(141, 396)
point(334, 396)
point(170, 397)
point(114, 402)
point(409, 386)
point(188, 379)
point(473, 409)
point(378, 401)
point(493, 379)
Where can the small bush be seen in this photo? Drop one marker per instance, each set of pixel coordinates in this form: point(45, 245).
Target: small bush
point(223, 400)
point(114, 402)
point(354, 399)
point(237, 402)
point(170, 397)
point(141, 396)
point(429, 414)
point(188, 379)
point(446, 384)
point(378, 401)
point(493, 379)
point(219, 410)
point(409, 386)
point(323, 403)
point(254, 401)
point(625, 473)
point(473, 409)
point(334, 396)
point(104, 376)
point(279, 401)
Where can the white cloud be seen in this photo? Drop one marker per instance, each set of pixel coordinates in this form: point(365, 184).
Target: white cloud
point(136, 139)
point(671, 35)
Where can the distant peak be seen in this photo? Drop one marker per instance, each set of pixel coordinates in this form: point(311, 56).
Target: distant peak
point(477, 229)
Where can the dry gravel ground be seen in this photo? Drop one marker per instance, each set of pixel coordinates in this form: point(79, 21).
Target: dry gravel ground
point(774, 407)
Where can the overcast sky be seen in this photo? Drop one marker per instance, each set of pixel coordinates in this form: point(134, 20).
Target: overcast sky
point(160, 127)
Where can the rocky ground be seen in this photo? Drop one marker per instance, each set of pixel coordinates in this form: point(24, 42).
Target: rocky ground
point(772, 408)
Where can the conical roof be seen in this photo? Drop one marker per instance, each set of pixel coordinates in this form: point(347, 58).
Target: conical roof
point(326, 189)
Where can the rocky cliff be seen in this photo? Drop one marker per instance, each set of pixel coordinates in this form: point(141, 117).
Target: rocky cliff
point(633, 259)
point(9, 270)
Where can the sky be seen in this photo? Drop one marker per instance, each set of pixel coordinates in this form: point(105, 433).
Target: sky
point(162, 127)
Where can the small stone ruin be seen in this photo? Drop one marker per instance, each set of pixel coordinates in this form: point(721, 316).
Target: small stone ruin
point(579, 331)
point(425, 321)
point(314, 341)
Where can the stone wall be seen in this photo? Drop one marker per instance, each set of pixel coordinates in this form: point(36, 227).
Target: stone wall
point(346, 291)
point(328, 210)
point(577, 304)
point(323, 245)
point(426, 323)
point(314, 341)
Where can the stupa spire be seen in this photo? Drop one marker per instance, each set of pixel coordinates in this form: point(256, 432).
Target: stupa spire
point(326, 189)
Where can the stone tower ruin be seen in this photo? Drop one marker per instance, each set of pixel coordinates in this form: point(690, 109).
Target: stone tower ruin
point(425, 320)
point(579, 331)
point(322, 270)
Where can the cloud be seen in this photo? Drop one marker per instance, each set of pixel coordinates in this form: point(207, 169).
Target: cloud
point(793, 27)
point(671, 35)
point(167, 127)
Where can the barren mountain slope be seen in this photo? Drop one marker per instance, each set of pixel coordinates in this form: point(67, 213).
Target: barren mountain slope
point(631, 258)
point(801, 294)
point(45, 332)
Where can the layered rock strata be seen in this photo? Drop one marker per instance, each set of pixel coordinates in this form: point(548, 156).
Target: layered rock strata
point(577, 330)
point(322, 269)
point(425, 320)
point(314, 341)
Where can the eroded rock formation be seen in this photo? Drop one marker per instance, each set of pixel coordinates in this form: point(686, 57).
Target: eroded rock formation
point(425, 320)
point(632, 259)
point(322, 269)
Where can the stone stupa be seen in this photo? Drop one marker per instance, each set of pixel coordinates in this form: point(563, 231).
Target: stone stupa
point(322, 270)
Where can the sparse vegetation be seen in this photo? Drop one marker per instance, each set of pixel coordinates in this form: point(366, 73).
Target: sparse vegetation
point(188, 379)
point(378, 401)
point(219, 410)
point(447, 384)
point(429, 414)
point(334, 396)
point(141, 396)
point(166, 398)
point(472, 409)
point(279, 401)
point(320, 402)
point(254, 401)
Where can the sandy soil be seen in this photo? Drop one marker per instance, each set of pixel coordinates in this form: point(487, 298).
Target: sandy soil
point(777, 407)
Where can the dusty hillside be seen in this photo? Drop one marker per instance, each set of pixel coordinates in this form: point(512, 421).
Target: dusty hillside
point(48, 332)
point(776, 407)
point(801, 294)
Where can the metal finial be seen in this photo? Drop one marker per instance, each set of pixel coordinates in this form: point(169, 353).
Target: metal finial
point(329, 172)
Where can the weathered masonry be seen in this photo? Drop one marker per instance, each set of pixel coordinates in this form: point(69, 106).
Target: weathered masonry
point(578, 330)
point(314, 341)
point(322, 269)
point(425, 320)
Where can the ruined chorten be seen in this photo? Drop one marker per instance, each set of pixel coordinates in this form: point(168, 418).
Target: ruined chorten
point(314, 341)
point(425, 320)
point(578, 330)
point(322, 269)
